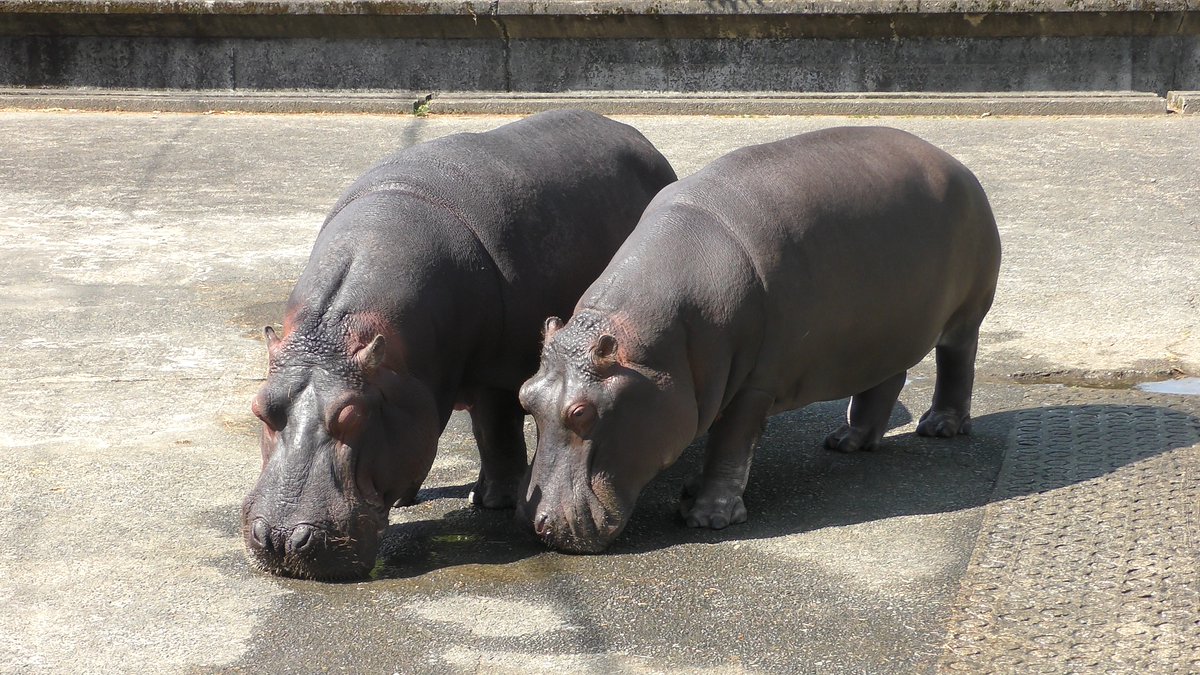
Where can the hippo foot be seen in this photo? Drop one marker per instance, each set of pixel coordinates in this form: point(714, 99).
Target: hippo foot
point(851, 439)
point(714, 511)
point(943, 423)
point(493, 494)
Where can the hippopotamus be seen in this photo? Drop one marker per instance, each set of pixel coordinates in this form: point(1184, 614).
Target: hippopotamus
point(425, 292)
point(813, 268)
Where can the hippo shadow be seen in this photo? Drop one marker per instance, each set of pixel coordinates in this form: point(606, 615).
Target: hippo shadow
point(442, 531)
point(797, 486)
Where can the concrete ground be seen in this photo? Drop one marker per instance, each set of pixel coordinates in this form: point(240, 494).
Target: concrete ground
point(143, 253)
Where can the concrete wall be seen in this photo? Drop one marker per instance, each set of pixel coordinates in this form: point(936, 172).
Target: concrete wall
point(678, 45)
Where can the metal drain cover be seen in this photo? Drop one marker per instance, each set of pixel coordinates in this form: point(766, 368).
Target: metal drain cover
point(1089, 554)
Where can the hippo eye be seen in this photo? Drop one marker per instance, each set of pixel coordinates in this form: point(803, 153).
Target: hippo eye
point(348, 420)
point(580, 418)
point(271, 415)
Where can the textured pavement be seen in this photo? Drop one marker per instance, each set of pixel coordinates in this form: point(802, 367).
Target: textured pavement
point(143, 253)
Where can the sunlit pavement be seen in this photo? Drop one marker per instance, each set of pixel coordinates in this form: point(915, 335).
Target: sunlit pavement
point(143, 254)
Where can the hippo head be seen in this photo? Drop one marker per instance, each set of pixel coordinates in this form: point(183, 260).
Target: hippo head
point(346, 433)
point(607, 422)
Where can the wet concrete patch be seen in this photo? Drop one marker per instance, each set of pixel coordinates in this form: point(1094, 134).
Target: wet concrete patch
point(1184, 386)
point(445, 536)
point(1099, 379)
point(458, 589)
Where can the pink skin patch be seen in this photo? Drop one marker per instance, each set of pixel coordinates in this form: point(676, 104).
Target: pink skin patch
point(289, 321)
point(626, 333)
point(362, 327)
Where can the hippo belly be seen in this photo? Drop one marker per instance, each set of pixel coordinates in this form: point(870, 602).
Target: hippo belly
point(814, 268)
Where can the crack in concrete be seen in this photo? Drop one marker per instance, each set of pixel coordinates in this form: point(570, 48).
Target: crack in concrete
point(505, 42)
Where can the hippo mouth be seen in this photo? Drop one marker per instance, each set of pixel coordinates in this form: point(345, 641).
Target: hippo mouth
point(587, 522)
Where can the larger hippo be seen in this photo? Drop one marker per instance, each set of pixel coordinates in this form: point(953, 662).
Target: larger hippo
point(813, 268)
point(426, 291)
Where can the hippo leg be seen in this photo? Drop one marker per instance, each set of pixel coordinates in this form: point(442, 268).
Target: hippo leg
point(867, 417)
point(951, 411)
point(497, 420)
point(714, 498)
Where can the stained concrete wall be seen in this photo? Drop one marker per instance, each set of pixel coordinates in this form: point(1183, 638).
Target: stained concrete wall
point(680, 46)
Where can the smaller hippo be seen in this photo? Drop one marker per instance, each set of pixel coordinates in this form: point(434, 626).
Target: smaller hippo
point(425, 291)
point(810, 269)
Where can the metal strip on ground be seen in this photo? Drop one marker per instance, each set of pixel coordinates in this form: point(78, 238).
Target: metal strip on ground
point(1087, 558)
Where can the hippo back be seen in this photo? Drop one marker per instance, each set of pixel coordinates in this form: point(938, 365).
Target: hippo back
point(812, 245)
point(547, 199)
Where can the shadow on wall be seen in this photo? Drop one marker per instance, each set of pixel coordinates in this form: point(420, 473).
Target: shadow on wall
point(796, 487)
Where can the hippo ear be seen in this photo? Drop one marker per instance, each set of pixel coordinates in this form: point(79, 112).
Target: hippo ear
point(370, 358)
point(551, 327)
point(273, 342)
point(604, 351)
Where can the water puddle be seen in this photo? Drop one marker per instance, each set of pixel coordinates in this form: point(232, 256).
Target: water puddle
point(1186, 386)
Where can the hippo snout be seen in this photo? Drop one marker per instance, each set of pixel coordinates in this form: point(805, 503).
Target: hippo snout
point(554, 532)
point(301, 540)
point(557, 528)
point(564, 535)
point(307, 551)
point(260, 538)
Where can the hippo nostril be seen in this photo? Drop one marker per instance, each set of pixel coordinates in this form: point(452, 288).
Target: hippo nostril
point(302, 539)
point(260, 535)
